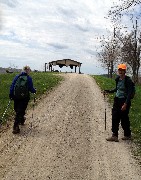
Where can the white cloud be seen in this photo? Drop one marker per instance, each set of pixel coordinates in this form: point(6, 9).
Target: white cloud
point(39, 31)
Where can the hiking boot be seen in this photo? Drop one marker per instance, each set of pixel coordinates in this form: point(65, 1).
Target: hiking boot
point(113, 138)
point(16, 130)
point(126, 138)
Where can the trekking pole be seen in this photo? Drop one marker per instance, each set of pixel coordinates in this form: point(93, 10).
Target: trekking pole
point(105, 110)
point(1, 120)
point(33, 108)
point(33, 105)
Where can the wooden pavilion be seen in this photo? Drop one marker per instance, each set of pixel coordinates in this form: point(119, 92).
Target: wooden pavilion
point(63, 62)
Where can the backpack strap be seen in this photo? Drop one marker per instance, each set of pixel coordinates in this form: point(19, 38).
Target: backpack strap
point(18, 76)
point(117, 79)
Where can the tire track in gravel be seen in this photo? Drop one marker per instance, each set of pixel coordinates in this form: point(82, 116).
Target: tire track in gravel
point(67, 139)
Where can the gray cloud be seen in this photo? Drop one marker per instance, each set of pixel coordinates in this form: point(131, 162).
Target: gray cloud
point(0, 19)
point(91, 52)
point(57, 46)
point(41, 30)
point(82, 28)
point(67, 12)
point(10, 3)
point(11, 37)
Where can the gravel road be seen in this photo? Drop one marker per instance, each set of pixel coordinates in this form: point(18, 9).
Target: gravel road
point(65, 139)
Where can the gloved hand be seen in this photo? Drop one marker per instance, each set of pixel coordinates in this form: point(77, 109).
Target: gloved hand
point(11, 96)
point(106, 91)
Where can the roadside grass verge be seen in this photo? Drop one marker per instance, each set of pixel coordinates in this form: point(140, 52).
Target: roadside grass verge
point(135, 110)
point(42, 81)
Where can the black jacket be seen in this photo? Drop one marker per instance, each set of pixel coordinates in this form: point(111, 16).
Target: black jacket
point(128, 88)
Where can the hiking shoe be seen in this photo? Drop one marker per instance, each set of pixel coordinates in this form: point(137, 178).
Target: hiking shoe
point(113, 138)
point(16, 130)
point(126, 138)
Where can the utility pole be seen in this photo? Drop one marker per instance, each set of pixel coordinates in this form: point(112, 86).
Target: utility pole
point(113, 56)
point(136, 61)
point(114, 32)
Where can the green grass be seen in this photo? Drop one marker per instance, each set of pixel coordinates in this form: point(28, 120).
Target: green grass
point(135, 111)
point(105, 83)
point(43, 82)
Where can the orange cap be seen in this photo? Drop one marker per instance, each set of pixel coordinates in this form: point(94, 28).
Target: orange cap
point(122, 66)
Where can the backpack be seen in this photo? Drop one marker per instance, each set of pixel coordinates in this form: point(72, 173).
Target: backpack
point(21, 88)
point(126, 85)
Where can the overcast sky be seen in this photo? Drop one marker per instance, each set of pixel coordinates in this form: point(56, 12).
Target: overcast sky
point(34, 32)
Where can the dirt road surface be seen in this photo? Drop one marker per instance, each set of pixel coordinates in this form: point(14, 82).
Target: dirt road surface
point(65, 139)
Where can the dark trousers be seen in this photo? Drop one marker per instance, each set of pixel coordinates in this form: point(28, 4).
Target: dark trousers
point(120, 116)
point(20, 106)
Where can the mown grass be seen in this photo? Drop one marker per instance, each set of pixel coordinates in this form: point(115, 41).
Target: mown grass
point(43, 82)
point(135, 111)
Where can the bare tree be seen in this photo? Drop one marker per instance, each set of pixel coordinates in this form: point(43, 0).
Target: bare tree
point(109, 55)
point(130, 41)
point(123, 7)
point(131, 54)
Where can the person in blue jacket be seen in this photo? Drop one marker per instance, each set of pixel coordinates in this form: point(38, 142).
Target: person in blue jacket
point(20, 105)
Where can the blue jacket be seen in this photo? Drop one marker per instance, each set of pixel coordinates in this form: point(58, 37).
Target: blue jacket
point(30, 83)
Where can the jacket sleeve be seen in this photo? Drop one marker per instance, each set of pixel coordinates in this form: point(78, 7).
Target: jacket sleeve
point(12, 85)
point(113, 90)
point(129, 90)
point(30, 85)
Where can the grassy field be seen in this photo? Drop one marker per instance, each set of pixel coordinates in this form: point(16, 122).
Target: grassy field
point(135, 111)
point(42, 81)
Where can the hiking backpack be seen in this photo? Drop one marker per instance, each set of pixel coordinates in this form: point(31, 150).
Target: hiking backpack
point(133, 85)
point(21, 88)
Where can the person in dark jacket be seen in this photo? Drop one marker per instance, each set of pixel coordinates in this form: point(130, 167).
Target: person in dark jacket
point(121, 106)
point(20, 105)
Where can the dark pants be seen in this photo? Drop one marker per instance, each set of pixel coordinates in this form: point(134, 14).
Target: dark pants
point(118, 115)
point(20, 106)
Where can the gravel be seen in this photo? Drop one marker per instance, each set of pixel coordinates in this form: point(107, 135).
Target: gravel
point(66, 139)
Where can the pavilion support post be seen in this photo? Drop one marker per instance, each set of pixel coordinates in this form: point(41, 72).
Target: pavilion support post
point(45, 67)
point(50, 67)
point(75, 69)
point(79, 70)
